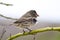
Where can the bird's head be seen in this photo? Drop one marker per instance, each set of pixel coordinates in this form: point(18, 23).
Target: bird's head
point(33, 13)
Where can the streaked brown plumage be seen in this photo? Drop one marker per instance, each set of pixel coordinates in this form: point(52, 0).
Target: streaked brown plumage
point(26, 23)
point(29, 15)
point(27, 20)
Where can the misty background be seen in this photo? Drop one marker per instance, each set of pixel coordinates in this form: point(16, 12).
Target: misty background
point(49, 11)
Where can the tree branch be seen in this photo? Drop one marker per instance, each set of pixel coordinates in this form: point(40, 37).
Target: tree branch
point(34, 32)
point(7, 17)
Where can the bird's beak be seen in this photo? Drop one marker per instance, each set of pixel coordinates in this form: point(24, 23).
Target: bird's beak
point(37, 15)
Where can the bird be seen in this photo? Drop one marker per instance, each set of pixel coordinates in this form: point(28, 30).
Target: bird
point(27, 20)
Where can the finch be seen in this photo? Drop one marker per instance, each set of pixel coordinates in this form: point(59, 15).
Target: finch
point(27, 20)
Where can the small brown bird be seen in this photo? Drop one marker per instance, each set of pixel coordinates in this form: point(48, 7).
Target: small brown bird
point(27, 20)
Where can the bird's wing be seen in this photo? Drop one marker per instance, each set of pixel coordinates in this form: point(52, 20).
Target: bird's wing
point(23, 21)
point(25, 17)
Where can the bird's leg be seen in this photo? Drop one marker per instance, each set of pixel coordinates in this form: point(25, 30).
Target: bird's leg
point(23, 31)
point(28, 29)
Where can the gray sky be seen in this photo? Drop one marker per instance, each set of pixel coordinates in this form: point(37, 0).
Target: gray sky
point(49, 10)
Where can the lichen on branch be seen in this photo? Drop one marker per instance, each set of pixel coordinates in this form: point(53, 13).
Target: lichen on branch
point(34, 32)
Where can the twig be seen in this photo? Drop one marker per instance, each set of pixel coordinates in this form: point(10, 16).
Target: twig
point(34, 37)
point(3, 32)
point(7, 17)
point(6, 4)
point(10, 36)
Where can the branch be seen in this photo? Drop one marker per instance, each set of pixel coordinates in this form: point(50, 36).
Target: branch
point(7, 17)
point(35, 32)
point(6, 4)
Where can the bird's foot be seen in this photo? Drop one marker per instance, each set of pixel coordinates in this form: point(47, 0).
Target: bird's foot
point(30, 30)
point(23, 31)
